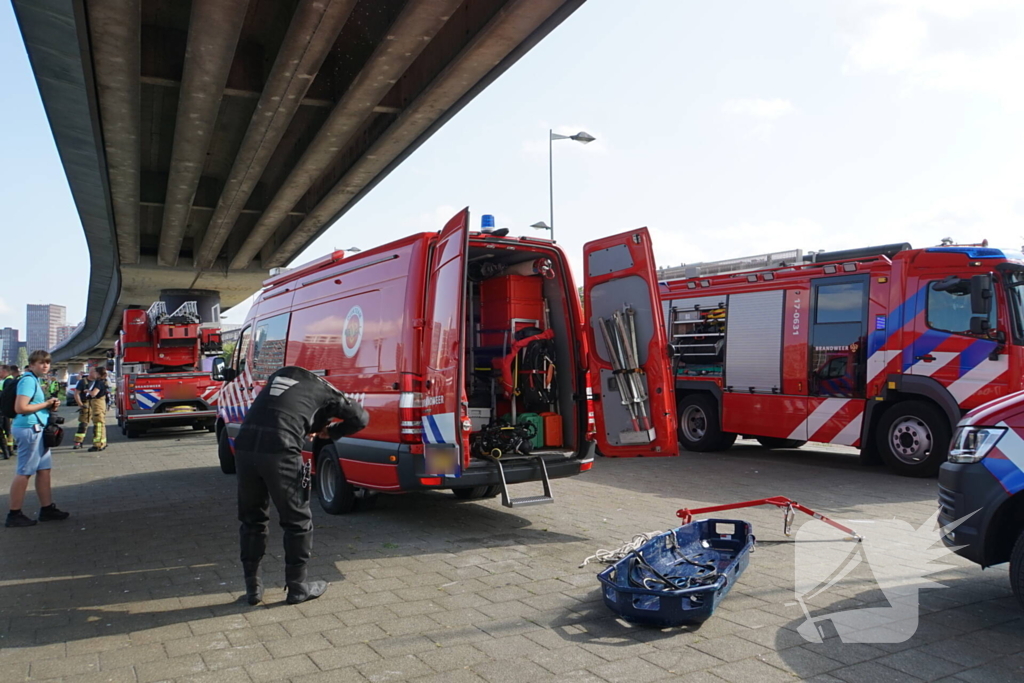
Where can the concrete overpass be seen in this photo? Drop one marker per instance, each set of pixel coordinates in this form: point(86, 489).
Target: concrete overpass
point(206, 142)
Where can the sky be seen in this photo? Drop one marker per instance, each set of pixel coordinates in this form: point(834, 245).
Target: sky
point(728, 128)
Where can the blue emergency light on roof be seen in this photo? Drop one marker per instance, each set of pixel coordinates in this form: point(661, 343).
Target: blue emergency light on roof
point(486, 221)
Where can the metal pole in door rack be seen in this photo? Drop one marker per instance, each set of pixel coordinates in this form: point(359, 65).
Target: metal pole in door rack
point(619, 335)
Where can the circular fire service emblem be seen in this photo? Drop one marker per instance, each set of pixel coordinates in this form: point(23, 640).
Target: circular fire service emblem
point(352, 334)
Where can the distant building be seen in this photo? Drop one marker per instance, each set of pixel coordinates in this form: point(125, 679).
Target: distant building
point(8, 346)
point(43, 324)
point(65, 331)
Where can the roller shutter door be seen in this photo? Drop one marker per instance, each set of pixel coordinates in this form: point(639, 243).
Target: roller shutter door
point(753, 342)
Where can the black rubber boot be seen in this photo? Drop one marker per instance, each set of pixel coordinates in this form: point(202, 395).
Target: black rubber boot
point(253, 583)
point(300, 590)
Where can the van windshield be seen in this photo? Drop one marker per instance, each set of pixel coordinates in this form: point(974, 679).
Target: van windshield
point(1015, 288)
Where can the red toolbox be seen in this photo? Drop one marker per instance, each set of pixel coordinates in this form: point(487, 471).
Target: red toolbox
point(508, 298)
point(529, 287)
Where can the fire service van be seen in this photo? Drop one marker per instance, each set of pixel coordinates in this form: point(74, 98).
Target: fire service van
point(881, 348)
point(468, 352)
point(158, 359)
point(981, 488)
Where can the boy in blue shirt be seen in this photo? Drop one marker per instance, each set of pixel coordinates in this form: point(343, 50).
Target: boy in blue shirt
point(33, 409)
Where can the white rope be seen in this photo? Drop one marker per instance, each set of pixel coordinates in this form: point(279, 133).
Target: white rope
point(612, 556)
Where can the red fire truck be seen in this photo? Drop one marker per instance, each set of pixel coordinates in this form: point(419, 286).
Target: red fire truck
point(159, 365)
point(881, 348)
point(462, 347)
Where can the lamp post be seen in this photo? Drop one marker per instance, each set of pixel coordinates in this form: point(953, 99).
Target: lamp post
point(586, 139)
point(541, 225)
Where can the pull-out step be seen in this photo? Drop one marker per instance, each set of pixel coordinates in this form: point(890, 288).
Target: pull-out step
point(510, 502)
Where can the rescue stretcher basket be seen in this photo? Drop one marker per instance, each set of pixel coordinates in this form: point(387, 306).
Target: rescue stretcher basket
point(704, 558)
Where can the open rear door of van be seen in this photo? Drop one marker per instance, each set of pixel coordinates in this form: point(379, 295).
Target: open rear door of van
point(446, 441)
point(634, 403)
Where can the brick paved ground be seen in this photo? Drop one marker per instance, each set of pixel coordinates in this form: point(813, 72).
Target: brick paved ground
point(141, 584)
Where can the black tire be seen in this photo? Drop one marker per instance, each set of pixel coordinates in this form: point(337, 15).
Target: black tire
point(198, 427)
point(778, 442)
point(1017, 569)
point(699, 426)
point(492, 491)
point(132, 432)
point(471, 492)
point(212, 427)
point(913, 438)
point(224, 453)
point(336, 495)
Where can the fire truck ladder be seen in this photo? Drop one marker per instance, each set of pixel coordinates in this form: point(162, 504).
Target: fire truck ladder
point(156, 314)
point(511, 502)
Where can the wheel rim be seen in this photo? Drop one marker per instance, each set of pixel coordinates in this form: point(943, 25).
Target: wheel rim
point(327, 479)
point(910, 440)
point(694, 422)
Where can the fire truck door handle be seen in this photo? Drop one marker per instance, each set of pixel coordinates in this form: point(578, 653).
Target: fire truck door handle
point(927, 358)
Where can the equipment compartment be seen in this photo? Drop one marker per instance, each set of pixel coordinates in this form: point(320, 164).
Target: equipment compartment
point(521, 365)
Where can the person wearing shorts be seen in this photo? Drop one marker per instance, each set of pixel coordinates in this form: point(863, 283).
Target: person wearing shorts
point(33, 409)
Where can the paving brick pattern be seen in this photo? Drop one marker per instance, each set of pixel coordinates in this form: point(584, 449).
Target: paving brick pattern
point(142, 584)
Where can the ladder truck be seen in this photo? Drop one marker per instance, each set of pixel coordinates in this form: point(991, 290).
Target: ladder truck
point(162, 380)
point(882, 348)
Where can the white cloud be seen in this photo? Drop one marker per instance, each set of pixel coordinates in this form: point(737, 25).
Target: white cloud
point(5, 309)
point(899, 38)
point(759, 108)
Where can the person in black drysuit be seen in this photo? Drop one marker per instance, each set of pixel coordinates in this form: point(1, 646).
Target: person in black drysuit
point(268, 456)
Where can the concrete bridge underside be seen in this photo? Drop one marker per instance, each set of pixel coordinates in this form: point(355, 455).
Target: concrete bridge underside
point(206, 142)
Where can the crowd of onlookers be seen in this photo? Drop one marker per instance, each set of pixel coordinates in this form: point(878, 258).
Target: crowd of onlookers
point(28, 426)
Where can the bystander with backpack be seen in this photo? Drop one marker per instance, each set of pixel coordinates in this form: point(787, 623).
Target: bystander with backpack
point(31, 411)
point(6, 444)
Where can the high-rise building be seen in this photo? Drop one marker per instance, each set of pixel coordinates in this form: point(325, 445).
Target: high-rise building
point(8, 346)
point(43, 321)
point(65, 331)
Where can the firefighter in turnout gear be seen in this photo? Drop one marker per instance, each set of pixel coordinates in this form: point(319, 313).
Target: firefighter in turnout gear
point(97, 402)
point(81, 399)
point(268, 456)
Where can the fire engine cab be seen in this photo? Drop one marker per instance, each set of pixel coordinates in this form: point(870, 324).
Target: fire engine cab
point(882, 348)
point(158, 360)
point(468, 352)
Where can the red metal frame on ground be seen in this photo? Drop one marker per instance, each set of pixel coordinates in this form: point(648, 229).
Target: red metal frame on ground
point(786, 504)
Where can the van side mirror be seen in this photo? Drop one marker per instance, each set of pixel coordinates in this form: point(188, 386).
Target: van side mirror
point(217, 372)
point(980, 325)
point(981, 295)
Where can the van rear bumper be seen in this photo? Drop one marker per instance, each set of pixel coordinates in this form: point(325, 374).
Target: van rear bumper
point(516, 472)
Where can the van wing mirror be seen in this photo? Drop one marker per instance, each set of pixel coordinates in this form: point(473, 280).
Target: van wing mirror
point(217, 371)
point(981, 295)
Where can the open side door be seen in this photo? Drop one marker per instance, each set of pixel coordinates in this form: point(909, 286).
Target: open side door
point(445, 410)
point(634, 397)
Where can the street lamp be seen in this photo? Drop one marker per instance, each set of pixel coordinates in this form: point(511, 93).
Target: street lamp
point(586, 139)
point(541, 225)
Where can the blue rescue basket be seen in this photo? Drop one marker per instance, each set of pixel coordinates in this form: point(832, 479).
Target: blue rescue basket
point(700, 560)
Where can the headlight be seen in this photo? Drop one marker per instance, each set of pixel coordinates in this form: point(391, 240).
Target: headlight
point(971, 444)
